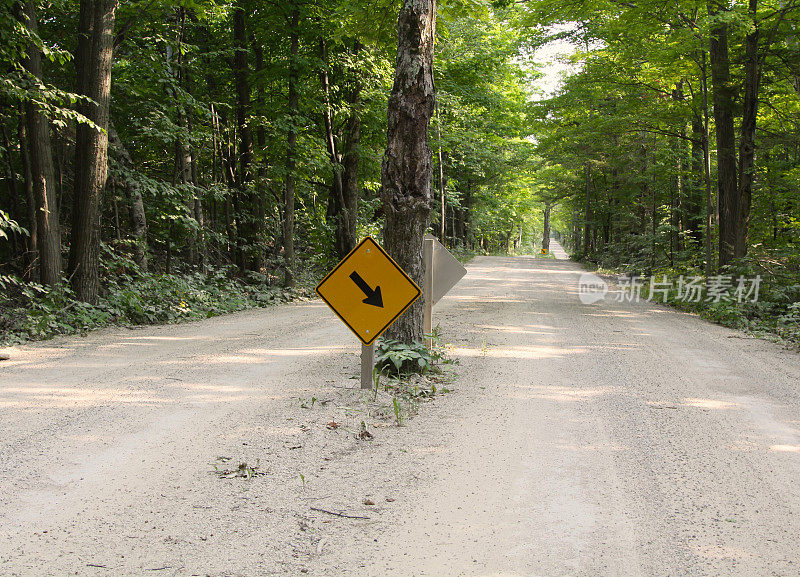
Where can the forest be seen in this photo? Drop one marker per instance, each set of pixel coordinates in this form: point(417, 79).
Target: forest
point(165, 160)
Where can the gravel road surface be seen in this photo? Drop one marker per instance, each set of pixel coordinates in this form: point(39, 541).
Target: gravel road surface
point(611, 439)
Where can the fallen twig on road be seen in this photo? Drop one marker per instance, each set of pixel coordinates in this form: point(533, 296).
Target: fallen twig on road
point(338, 514)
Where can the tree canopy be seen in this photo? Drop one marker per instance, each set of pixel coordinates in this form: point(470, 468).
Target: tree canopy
point(175, 139)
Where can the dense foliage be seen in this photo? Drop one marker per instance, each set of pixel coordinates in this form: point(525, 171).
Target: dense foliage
point(244, 141)
point(675, 148)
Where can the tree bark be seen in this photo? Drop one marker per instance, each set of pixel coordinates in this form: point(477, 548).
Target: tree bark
point(93, 64)
point(407, 170)
point(747, 146)
point(136, 214)
point(291, 146)
point(40, 154)
point(546, 227)
point(727, 195)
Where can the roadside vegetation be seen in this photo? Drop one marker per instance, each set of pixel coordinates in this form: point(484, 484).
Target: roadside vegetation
point(238, 155)
point(672, 148)
point(240, 150)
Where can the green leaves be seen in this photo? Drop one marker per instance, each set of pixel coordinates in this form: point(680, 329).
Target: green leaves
point(399, 358)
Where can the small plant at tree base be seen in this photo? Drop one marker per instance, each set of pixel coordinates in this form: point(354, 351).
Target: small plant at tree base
point(397, 358)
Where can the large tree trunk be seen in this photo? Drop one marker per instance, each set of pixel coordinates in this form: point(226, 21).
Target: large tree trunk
point(48, 241)
point(728, 196)
point(407, 171)
point(136, 214)
point(747, 146)
point(93, 64)
point(291, 146)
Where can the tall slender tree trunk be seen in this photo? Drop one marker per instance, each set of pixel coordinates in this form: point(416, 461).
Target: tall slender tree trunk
point(40, 154)
point(351, 157)
point(442, 199)
point(262, 186)
point(728, 195)
point(546, 227)
point(707, 172)
point(136, 214)
point(407, 170)
point(93, 64)
point(693, 213)
point(747, 145)
point(248, 244)
point(185, 161)
point(587, 213)
point(339, 212)
point(291, 152)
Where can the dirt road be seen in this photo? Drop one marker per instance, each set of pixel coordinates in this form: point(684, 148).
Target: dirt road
point(612, 439)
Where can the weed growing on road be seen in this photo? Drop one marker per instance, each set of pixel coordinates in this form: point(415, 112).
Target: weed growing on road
point(410, 374)
point(243, 471)
point(306, 403)
point(398, 412)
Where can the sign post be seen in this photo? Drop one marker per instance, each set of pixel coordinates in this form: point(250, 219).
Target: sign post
point(367, 365)
point(428, 256)
point(368, 291)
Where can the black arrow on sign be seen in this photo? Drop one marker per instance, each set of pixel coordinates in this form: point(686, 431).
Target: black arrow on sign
point(374, 297)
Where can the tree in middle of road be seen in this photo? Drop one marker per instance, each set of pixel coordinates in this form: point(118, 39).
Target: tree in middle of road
point(407, 170)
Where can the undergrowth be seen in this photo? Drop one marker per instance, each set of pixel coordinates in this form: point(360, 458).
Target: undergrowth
point(30, 311)
point(411, 373)
point(775, 314)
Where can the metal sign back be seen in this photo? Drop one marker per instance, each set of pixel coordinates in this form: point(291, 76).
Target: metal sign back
point(447, 271)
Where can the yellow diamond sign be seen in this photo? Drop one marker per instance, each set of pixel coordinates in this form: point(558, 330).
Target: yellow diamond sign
point(368, 290)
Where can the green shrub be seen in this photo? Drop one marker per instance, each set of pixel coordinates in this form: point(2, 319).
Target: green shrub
point(32, 311)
